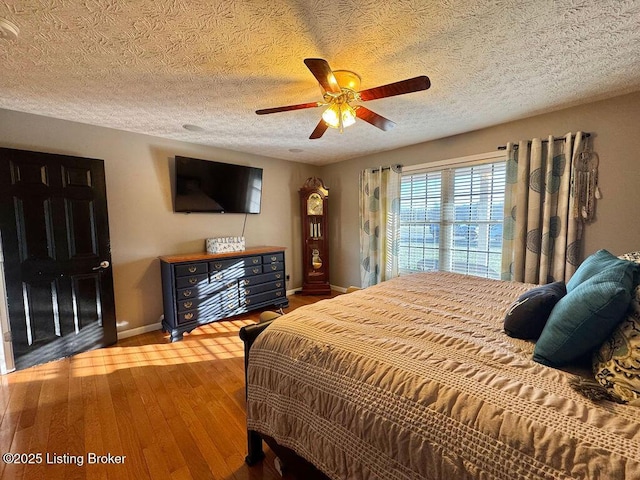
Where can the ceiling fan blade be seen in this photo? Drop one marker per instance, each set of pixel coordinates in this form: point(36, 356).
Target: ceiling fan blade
point(319, 130)
point(398, 88)
point(374, 119)
point(288, 108)
point(323, 73)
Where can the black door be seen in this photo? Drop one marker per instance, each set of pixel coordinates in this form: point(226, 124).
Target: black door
point(57, 258)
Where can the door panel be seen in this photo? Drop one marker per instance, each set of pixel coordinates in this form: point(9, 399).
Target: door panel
point(81, 231)
point(34, 228)
point(54, 225)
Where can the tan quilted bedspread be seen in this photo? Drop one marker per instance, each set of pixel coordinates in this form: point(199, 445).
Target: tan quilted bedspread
point(415, 379)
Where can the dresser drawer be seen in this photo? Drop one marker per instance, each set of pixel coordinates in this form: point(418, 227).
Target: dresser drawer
point(205, 288)
point(273, 257)
point(254, 270)
point(265, 277)
point(262, 287)
point(239, 263)
point(218, 306)
point(191, 269)
point(204, 303)
point(220, 301)
point(188, 304)
point(223, 285)
point(273, 267)
point(249, 261)
point(196, 291)
point(191, 280)
point(234, 272)
point(188, 316)
point(226, 291)
point(262, 297)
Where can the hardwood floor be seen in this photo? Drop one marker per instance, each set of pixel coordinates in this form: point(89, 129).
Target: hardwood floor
point(163, 410)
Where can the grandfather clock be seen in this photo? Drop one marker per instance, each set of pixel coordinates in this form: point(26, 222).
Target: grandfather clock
point(314, 202)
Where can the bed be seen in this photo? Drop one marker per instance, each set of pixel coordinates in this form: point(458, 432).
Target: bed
point(415, 378)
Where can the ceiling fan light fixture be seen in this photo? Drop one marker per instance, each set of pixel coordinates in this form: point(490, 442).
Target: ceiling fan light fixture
point(348, 115)
point(339, 89)
point(339, 115)
point(348, 79)
point(331, 115)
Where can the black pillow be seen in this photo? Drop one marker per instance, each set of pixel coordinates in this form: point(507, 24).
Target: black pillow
point(527, 316)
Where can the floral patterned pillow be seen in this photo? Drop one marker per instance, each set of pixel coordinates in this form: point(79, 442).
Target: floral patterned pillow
point(616, 364)
point(633, 256)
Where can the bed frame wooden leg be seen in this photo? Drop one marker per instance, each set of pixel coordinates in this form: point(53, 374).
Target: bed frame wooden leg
point(254, 447)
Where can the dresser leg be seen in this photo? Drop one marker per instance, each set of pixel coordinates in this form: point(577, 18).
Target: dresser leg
point(176, 336)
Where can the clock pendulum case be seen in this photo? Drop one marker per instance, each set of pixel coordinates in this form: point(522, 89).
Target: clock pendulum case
point(314, 198)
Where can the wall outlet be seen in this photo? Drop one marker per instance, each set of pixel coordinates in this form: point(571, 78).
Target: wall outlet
point(288, 277)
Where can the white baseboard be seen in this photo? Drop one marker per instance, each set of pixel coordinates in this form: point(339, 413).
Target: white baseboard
point(132, 332)
point(333, 287)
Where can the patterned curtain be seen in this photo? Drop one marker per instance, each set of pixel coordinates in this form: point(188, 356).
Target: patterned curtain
point(379, 224)
point(542, 229)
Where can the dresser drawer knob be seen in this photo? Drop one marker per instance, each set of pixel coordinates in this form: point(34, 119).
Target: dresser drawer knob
point(274, 267)
point(217, 266)
point(247, 291)
point(274, 258)
point(193, 281)
point(256, 261)
point(193, 269)
point(278, 284)
point(278, 294)
point(217, 276)
point(187, 293)
point(278, 275)
point(256, 270)
point(188, 316)
point(187, 304)
point(247, 301)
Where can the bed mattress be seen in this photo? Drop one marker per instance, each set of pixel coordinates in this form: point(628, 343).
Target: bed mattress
point(414, 378)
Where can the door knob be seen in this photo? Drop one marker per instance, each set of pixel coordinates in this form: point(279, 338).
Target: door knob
point(103, 264)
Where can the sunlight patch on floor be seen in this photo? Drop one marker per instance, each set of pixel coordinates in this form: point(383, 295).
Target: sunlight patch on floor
point(215, 341)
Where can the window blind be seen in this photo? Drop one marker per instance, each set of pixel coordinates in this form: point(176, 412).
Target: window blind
point(451, 219)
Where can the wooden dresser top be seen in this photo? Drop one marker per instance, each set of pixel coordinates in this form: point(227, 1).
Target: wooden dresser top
point(192, 257)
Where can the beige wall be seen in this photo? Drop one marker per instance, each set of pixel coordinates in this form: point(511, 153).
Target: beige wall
point(614, 125)
point(143, 225)
point(141, 220)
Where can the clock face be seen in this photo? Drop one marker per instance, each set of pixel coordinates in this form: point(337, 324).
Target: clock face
point(314, 204)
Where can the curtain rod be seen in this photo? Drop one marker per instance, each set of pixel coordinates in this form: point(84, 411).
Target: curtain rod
point(504, 147)
point(397, 166)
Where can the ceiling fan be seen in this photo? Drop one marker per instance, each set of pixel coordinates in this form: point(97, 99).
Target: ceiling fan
point(341, 88)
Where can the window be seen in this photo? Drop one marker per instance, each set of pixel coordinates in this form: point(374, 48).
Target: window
point(451, 216)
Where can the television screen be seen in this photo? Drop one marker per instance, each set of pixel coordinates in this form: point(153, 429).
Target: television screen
point(206, 186)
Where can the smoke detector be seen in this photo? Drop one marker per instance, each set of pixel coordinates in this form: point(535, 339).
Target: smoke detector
point(8, 30)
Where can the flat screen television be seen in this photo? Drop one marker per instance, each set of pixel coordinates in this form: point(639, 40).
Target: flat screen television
point(207, 186)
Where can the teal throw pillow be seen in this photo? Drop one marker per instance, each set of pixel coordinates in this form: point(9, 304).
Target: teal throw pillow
point(583, 319)
point(595, 263)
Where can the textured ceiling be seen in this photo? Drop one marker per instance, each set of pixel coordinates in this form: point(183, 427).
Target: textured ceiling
point(152, 66)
